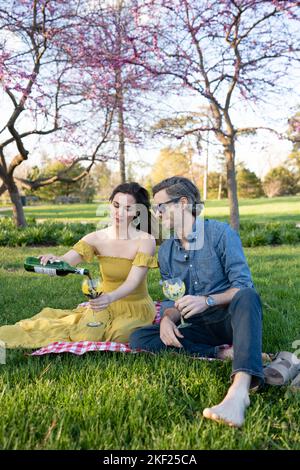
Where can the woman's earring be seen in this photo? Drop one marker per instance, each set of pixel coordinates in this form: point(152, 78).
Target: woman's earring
point(136, 221)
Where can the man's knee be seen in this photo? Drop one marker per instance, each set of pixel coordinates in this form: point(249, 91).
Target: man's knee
point(247, 294)
point(247, 299)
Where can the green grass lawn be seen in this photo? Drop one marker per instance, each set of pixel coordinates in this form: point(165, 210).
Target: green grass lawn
point(126, 401)
point(280, 209)
point(60, 212)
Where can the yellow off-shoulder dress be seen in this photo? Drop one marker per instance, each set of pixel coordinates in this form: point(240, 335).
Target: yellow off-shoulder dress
point(119, 320)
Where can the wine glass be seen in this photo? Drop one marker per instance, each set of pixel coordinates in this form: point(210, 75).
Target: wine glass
point(91, 288)
point(174, 289)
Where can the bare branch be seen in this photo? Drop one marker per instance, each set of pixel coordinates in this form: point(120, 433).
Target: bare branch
point(4, 167)
point(63, 175)
point(256, 23)
point(237, 68)
point(12, 97)
point(252, 130)
point(26, 134)
point(215, 105)
point(16, 161)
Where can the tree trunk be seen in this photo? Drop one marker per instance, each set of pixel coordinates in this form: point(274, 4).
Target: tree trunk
point(205, 176)
point(121, 131)
point(232, 187)
point(121, 144)
point(220, 187)
point(18, 211)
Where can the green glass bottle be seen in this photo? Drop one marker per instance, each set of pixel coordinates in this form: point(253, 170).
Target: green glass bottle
point(55, 268)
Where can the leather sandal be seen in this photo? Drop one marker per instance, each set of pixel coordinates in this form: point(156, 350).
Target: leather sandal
point(282, 369)
point(295, 384)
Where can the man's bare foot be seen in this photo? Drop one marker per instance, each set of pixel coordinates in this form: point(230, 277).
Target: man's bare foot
point(231, 410)
point(266, 357)
point(226, 353)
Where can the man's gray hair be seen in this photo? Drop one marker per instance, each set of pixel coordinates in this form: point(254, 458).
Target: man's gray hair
point(179, 186)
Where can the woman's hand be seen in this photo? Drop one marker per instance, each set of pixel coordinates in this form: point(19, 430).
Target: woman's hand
point(49, 257)
point(101, 302)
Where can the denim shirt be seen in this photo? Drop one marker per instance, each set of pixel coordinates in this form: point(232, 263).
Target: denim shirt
point(217, 266)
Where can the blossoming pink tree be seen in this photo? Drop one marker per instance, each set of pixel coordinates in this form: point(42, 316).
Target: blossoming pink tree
point(49, 85)
point(67, 67)
point(224, 52)
point(112, 27)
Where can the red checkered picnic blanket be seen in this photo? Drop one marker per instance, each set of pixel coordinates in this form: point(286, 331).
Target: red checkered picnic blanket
point(82, 347)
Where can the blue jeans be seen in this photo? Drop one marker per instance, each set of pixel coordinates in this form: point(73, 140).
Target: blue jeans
point(239, 324)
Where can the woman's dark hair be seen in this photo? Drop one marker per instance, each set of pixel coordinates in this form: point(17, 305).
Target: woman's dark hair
point(141, 197)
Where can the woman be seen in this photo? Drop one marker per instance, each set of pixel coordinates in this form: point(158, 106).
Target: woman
point(125, 252)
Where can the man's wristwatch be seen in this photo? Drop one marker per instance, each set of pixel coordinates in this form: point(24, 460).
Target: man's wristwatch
point(210, 301)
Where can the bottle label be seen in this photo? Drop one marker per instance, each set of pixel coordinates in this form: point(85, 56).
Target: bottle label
point(40, 270)
point(79, 271)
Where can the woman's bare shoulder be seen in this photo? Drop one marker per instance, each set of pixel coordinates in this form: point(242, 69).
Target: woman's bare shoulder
point(147, 243)
point(145, 235)
point(103, 233)
point(89, 238)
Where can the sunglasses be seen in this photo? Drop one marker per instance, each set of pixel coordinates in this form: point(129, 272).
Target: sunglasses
point(161, 207)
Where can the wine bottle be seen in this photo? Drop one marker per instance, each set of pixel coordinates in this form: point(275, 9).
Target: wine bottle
point(55, 268)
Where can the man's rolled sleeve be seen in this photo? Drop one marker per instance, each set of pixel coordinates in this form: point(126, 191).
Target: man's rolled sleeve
point(233, 259)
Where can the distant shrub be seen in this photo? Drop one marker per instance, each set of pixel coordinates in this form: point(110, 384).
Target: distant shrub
point(46, 233)
point(271, 233)
point(67, 234)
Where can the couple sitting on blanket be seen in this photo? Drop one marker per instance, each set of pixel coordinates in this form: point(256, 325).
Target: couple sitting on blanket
point(221, 304)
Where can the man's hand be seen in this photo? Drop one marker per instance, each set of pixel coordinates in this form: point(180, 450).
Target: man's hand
point(169, 333)
point(191, 304)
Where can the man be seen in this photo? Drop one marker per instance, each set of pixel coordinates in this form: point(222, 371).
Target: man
point(220, 304)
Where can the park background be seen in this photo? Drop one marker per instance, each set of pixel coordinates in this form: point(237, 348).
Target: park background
point(94, 93)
